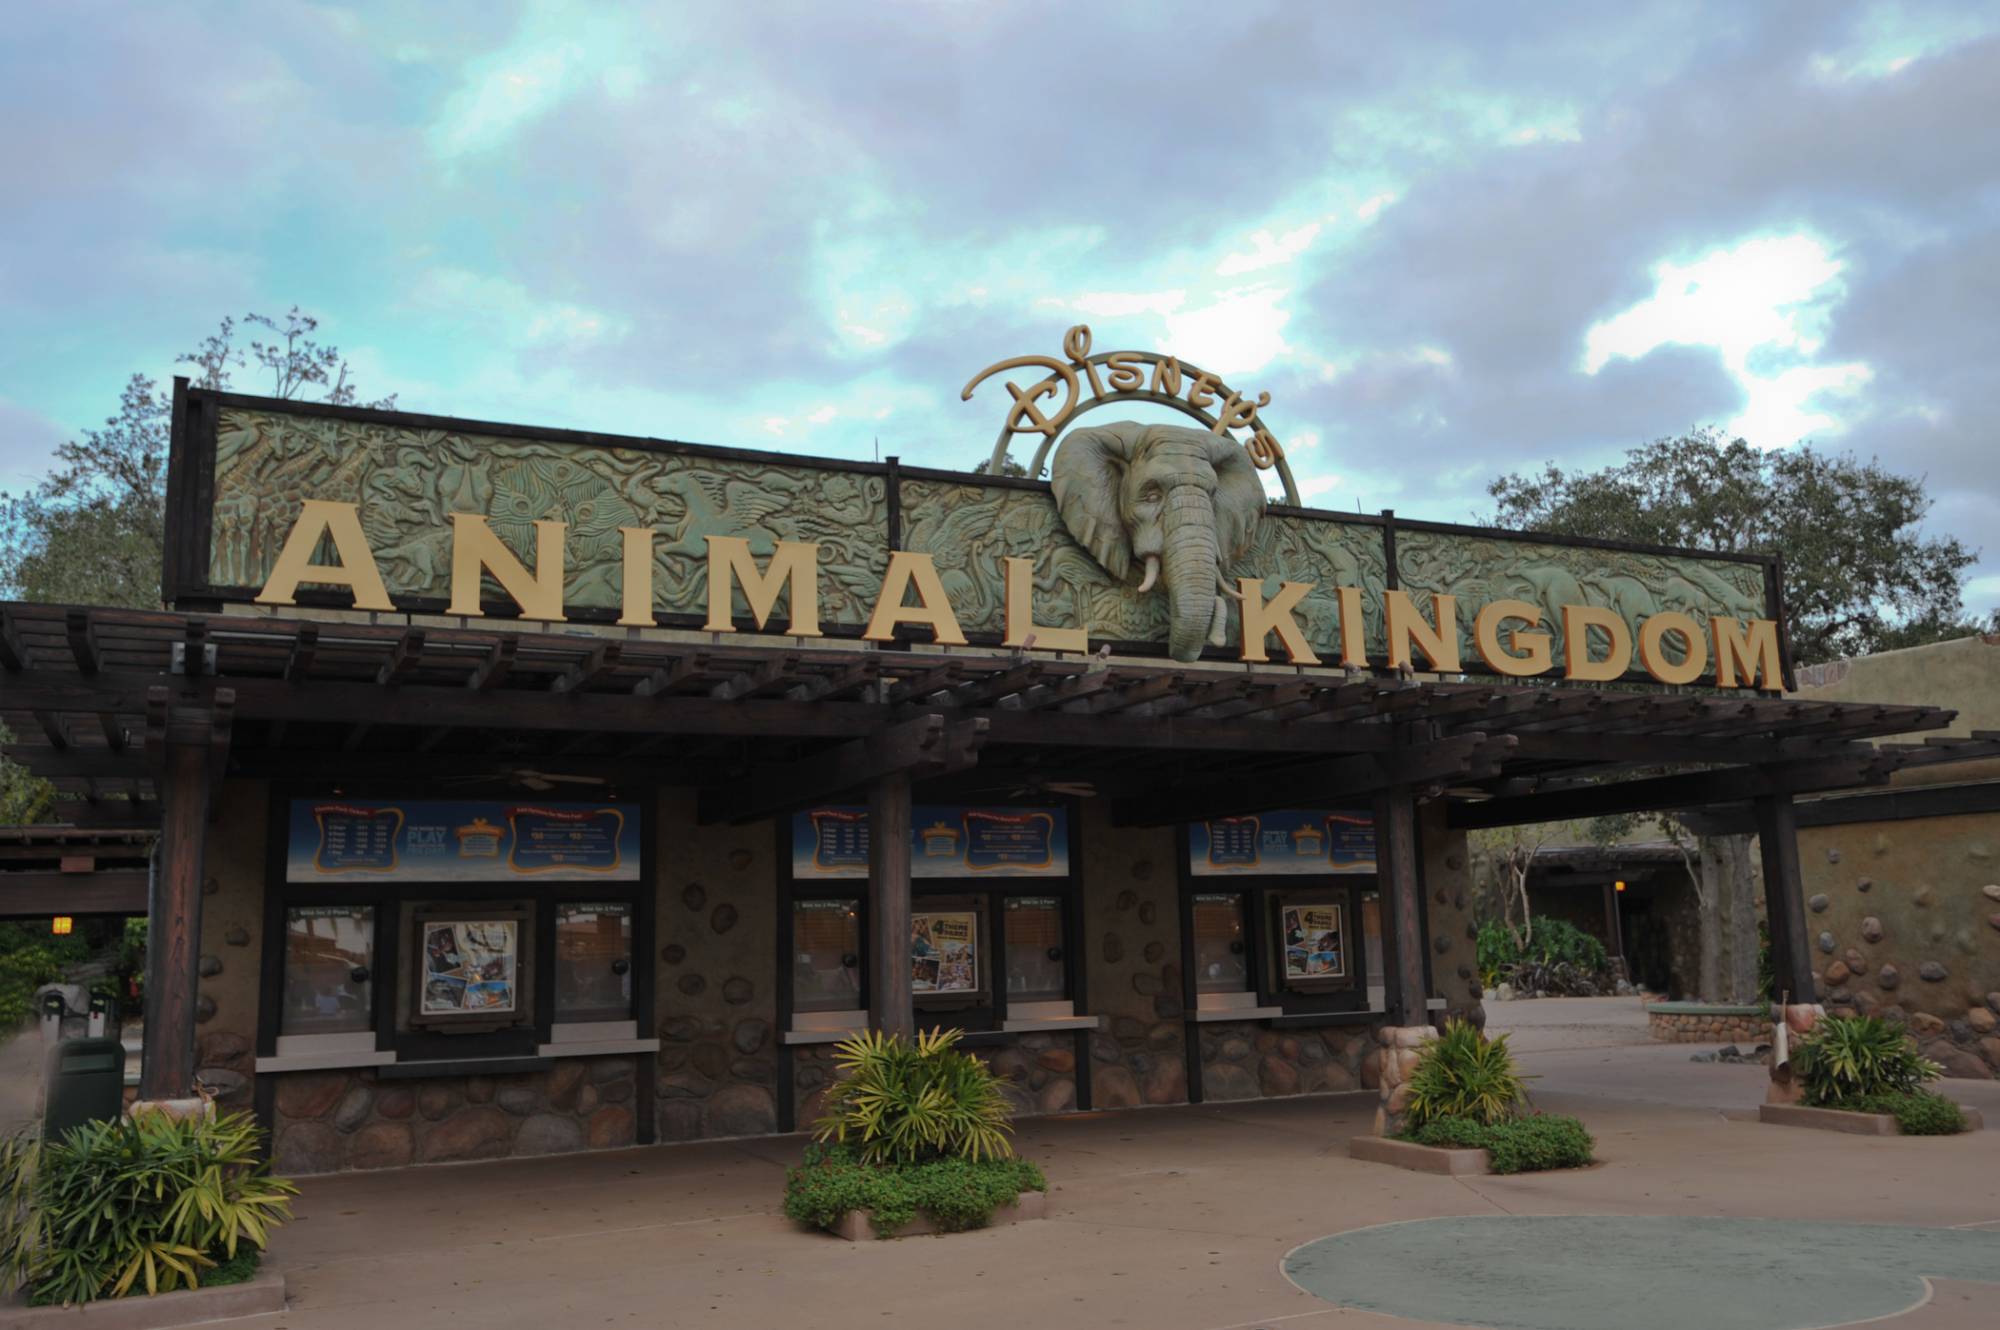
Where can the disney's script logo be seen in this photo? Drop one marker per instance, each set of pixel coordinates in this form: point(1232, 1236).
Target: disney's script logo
point(1127, 376)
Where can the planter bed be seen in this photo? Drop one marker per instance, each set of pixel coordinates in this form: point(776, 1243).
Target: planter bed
point(857, 1225)
point(1847, 1120)
point(1419, 1158)
point(260, 1295)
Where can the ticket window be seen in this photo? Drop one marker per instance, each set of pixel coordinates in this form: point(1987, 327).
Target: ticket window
point(1222, 979)
point(593, 971)
point(1036, 962)
point(328, 1001)
point(827, 988)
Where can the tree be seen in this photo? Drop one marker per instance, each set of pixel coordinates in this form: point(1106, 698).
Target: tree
point(1860, 576)
point(1008, 466)
point(91, 532)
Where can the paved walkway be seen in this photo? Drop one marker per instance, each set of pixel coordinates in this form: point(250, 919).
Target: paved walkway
point(1178, 1219)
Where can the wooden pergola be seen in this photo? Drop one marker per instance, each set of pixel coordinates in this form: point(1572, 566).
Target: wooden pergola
point(137, 717)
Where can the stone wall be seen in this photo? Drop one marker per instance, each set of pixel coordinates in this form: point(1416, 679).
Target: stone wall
point(1132, 961)
point(716, 995)
point(1245, 1060)
point(328, 1121)
point(232, 944)
point(1447, 876)
point(1903, 920)
point(1716, 1026)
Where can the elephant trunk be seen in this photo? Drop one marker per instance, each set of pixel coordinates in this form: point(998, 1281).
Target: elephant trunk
point(1190, 569)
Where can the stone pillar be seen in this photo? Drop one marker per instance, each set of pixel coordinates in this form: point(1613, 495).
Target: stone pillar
point(889, 1006)
point(1399, 1047)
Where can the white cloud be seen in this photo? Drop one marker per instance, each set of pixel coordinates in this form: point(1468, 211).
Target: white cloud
point(501, 308)
point(1269, 250)
point(556, 53)
point(1764, 305)
point(1239, 332)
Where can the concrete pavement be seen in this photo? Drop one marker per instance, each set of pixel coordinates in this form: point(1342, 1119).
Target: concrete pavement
point(1172, 1218)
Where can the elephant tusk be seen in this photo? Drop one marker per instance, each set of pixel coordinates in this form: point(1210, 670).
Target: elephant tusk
point(1152, 572)
point(1228, 590)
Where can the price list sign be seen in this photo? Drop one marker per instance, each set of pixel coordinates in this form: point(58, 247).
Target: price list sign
point(1283, 841)
point(945, 841)
point(463, 840)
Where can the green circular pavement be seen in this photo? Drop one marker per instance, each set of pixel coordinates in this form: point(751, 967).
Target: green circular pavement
point(1585, 1272)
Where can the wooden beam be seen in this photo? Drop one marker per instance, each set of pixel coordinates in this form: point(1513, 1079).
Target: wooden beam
point(305, 646)
point(599, 661)
point(82, 642)
point(916, 687)
point(1396, 858)
point(105, 891)
point(404, 658)
point(848, 679)
point(173, 941)
point(668, 679)
point(770, 676)
point(924, 747)
point(1688, 790)
point(890, 1008)
point(1328, 784)
point(490, 673)
point(1784, 899)
point(1595, 746)
point(13, 655)
point(52, 727)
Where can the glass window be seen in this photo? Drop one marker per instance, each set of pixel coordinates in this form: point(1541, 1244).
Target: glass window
point(826, 955)
point(328, 952)
point(1034, 928)
point(1220, 956)
point(594, 961)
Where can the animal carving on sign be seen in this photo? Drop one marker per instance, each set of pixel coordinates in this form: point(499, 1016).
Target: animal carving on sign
point(1171, 505)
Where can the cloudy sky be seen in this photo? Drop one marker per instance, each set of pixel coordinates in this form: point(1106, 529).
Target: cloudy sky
point(1451, 244)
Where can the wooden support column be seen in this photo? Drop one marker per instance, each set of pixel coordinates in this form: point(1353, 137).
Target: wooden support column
point(1784, 900)
point(173, 914)
point(889, 1007)
point(1402, 899)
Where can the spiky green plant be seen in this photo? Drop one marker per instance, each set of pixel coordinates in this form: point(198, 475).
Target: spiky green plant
point(1854, 1057)
point(143, 1202)
point(1463, 1074)
point(900, 1102)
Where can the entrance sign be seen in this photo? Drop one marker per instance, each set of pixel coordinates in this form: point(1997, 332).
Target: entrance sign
point(292, 504)
point(460, 841)
point(1283, 841)
point(945, 840)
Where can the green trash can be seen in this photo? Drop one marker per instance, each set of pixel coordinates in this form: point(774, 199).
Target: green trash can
point(86, 1084)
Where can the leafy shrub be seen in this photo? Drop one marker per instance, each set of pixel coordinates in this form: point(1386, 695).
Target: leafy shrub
point(152, 1200)
point(1917, 1112)
point(1463, 1074)
point(908, 1103)
point(1849, 1057)
point(1520, 1145)
point(955, 1193)
point(1558, 957)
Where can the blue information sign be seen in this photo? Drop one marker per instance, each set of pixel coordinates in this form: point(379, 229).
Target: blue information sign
point(946, 840)
point(482, 840)
point(1283, 841)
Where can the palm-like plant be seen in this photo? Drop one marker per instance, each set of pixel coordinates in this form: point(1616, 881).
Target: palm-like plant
point(903, 1103)
point(150, 1200)
point(1463, 1074)
point(1846, 1058)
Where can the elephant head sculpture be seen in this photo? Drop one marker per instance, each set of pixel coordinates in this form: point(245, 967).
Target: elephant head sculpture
point(1180, 504)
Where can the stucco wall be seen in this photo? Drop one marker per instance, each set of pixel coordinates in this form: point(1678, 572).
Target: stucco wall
point(1903, 919)
point(232, 944)
point(716, 995)
point(1963, 675)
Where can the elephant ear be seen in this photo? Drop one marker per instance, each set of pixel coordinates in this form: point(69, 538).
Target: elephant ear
point(1088, 477)
point(1239, 498)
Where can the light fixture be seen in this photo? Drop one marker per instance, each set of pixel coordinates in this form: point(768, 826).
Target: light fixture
point(1619, 885)
point(61, 925)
